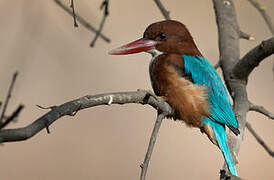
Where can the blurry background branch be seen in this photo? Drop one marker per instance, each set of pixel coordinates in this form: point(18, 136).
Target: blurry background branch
point(262, 110)
point(104, 6)
point(163, 10)
point(82, 21)
point(259, 140)
point(8, 96)
point(73, 13)
point(5, 120)
point(12, 117)
point(266, 17)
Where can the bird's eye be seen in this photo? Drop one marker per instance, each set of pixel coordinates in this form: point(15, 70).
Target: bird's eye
point(162, 36)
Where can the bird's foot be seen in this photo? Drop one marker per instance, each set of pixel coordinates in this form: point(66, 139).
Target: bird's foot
point(150, 93)
point(224, 175)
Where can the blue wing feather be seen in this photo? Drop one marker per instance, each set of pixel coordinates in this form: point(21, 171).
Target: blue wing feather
point(203, 73)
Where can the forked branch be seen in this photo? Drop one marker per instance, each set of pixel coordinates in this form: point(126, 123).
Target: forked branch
point(81, 20)
point(104, 6)
point(8, 98)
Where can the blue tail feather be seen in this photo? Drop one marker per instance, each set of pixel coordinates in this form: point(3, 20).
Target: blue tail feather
point(220, 135)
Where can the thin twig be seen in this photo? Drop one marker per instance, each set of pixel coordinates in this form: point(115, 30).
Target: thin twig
point(8, 97)
point(50, 107)
point(66, 109)
point(73, 13)
point(14, 115)
point(259, 140)
point(264, 14)
point(81, 20)
point(261, 109)
point(152, 141)
point(163, 10)
point(246, 36)
point(104, 6)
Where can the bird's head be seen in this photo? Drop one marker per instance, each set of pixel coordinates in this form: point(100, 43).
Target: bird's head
point(167, 36)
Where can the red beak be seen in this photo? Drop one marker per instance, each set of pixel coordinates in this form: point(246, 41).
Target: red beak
point(137, 46)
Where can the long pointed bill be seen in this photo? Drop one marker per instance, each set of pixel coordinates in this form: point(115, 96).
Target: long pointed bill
point(137, 46)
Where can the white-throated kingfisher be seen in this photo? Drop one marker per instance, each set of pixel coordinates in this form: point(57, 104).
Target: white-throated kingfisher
point(187, 81)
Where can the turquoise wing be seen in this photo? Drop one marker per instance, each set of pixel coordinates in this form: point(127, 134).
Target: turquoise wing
point(203, 73)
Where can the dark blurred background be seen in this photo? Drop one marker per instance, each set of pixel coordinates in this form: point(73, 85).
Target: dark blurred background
point(56, 64)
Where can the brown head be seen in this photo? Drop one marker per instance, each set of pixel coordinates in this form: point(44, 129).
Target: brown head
point(167, 36)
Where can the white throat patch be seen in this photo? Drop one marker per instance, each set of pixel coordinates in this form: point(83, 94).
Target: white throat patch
point(155, 53)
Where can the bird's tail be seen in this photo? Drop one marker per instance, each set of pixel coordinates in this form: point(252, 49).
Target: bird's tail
point(220, 135)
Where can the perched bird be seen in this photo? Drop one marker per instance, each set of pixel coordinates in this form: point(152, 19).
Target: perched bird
point(187, 81)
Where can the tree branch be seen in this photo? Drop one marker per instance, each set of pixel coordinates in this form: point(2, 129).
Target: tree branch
point(163, 10)
point(104, 6)
point(73, 13)
point(246, 36)
point(8, 97)
point(266, 18)
point(81, 20)
point(252, 59)
point(228, 31)
point(262, 11)
point(144, 165)
point(261, 109)
point(68, 108)
point(259, 140)
point(14, 115)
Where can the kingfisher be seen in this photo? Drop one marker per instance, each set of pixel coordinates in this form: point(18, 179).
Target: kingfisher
point(187, 81)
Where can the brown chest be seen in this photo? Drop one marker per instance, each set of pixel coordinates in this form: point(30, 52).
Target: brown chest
point(187, 99)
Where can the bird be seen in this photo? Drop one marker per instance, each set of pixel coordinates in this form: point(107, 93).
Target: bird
point(187, 81)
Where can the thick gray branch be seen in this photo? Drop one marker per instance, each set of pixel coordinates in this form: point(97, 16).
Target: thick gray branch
point(69, 108)
point(252, 59)
point(228, 31)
